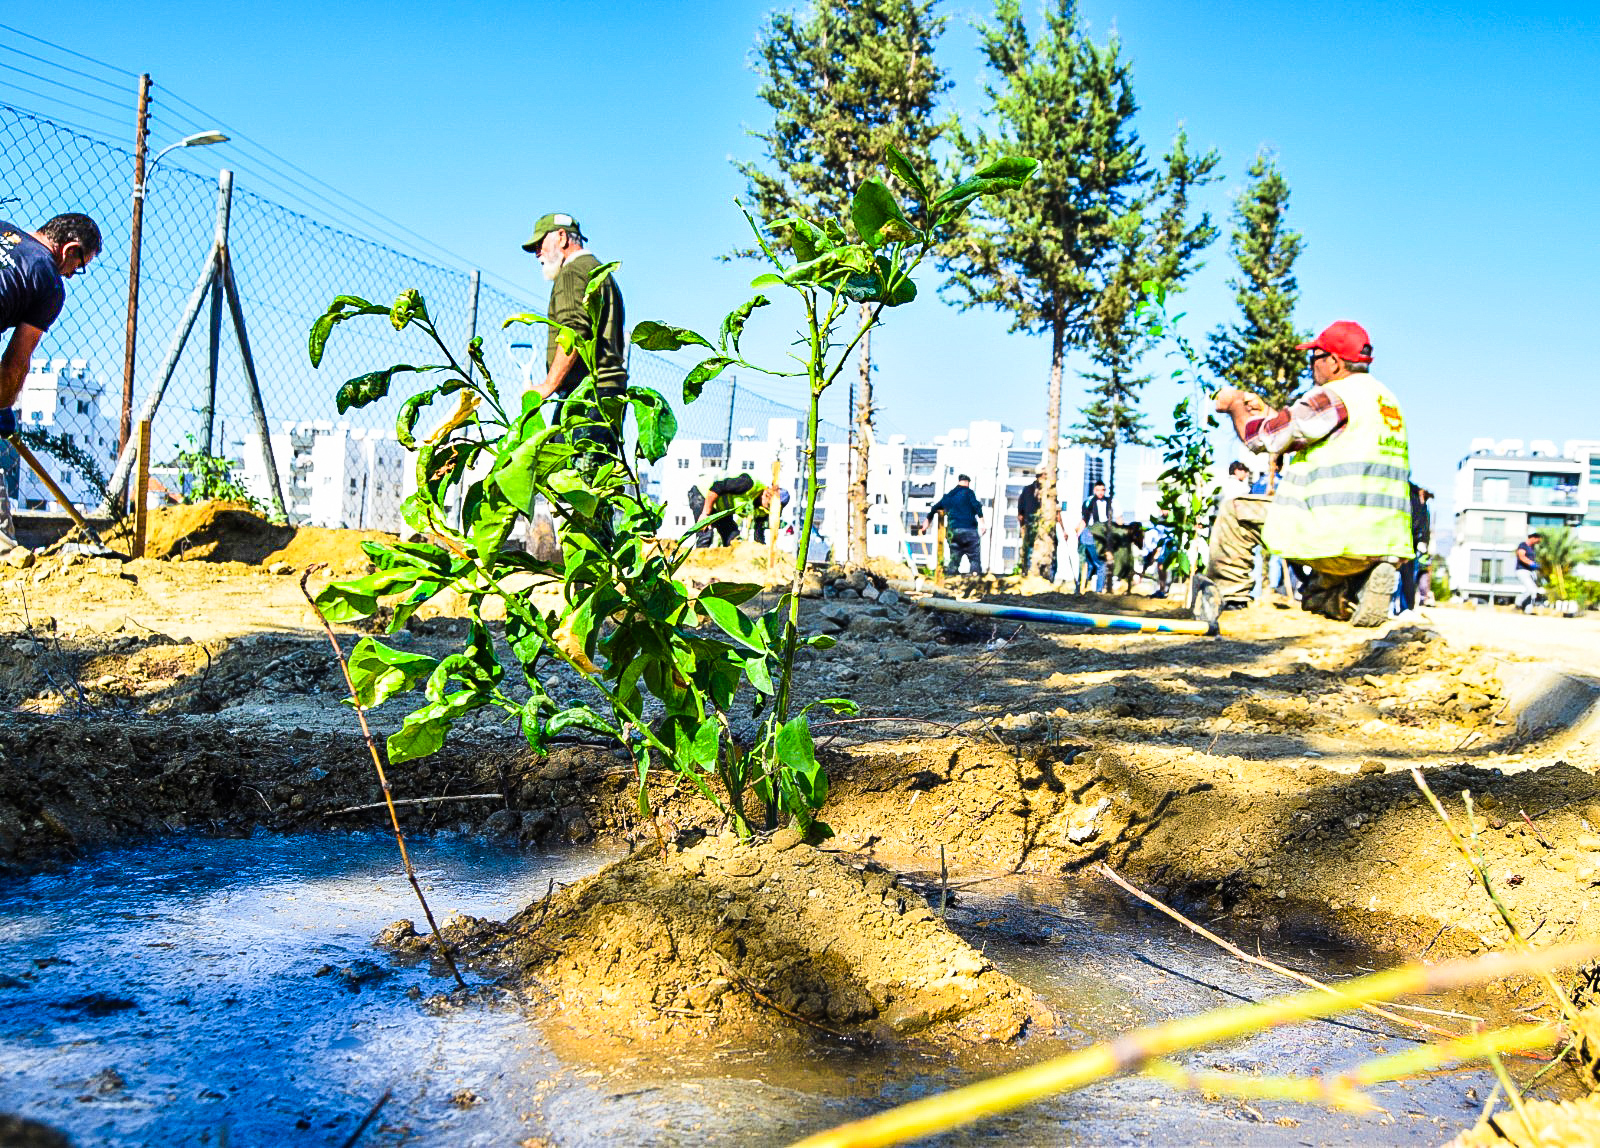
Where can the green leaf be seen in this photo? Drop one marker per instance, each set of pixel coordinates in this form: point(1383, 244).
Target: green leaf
point(357, 598)
point(837, 705)
point(733, 623)
point(877, 215)
point(657, 423)
point(530, 465)
point(734, 592)
point(423, 732)
point(343, 307)
point(760, 676)
point(1004, 174)
point(798, 756)
point(733, 323)
point(822, 641)
point(653, 336)
point(572, 488)
point(379, 673)
point(767, 280)
point(363, 390)
point(408, 305)
point(581, 716)
point(902, 170)
point(701, 374)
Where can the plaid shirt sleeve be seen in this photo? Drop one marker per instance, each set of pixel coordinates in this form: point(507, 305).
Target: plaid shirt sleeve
point(1309, 419)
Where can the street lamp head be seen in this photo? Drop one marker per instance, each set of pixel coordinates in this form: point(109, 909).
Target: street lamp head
point(202, 139)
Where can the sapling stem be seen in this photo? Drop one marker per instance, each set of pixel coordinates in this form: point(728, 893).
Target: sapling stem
point(383, 779)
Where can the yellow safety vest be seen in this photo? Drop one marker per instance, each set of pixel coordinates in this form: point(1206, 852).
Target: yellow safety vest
point(1350, 493)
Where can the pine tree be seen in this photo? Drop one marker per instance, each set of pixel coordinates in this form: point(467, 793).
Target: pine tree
point(1258, 353)
point(1045, 253)
point(845, 83)
point(1157, 240)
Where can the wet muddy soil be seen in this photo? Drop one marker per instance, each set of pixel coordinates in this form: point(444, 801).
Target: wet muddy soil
point(209, 991)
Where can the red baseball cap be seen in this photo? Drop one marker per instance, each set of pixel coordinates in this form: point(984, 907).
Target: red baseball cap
point(1346, 339)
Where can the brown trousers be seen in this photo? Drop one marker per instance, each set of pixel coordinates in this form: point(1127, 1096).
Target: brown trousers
point(1235, 538)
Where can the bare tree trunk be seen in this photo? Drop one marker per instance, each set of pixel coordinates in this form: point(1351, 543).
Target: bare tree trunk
point(861, 418)
point(1044, 547)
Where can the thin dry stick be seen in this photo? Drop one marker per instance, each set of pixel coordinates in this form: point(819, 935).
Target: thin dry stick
point(416, 801)
point(372, 1114)
point(383, 780)
point(1262, 962)
point(743, 982)
point(1475, 862)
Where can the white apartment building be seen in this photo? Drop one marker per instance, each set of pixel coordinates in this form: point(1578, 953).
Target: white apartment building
point(62, 397)
point(1503, 492)
point(333, 475)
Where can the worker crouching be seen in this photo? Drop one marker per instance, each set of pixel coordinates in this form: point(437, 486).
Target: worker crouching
point(1342, 503)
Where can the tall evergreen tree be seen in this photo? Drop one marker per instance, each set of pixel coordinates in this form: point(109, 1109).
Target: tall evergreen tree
point(845, 82)
point(1258, 352)
point(1157, 239)
point(1045, 253)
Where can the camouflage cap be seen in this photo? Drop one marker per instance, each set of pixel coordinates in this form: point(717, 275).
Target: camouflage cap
point(552, 221)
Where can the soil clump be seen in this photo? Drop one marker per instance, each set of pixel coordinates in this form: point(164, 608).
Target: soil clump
point(747, 942)
point(232, 532)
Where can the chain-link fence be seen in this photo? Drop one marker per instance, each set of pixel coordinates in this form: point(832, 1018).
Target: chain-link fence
point(331, 469)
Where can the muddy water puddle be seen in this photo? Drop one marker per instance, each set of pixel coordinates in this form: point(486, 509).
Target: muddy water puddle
point(170, 993)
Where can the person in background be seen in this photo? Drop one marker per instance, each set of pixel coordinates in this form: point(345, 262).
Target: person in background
point(1088, 559)
point(1421, 541)
point(1236, 537)
point(34, 267)
point(961, 510)
point(1160, 553)
point(1527, 571)
point(559, 244)
point(741, 496)
point(1096, 518)
point(1028, 504)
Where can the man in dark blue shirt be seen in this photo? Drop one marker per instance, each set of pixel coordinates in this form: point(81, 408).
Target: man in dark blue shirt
point(32, 267)
point(1527, 571)
point(961, 513)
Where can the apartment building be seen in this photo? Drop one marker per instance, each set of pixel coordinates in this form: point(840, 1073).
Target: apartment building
point(333, 475)
point(1505, 490)
point(62, 397)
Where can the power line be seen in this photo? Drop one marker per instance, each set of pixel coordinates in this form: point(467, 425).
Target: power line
point(70, 52)
point(62, 84)
point(62, 67)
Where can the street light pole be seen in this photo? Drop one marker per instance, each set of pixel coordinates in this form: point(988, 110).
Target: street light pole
point(137, 233)
point(141, 182)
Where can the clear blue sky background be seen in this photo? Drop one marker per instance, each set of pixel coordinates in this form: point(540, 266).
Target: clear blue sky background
point(1442, 160)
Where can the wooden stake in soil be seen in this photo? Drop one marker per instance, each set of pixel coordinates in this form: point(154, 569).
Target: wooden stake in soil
point(383, 779)
point(141, 491)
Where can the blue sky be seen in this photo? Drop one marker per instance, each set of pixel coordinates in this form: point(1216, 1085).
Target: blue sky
point(1442, 160)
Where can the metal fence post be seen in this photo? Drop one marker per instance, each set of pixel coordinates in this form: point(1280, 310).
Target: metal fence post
point(135, 238)
point(472, 308)
point(209, 414)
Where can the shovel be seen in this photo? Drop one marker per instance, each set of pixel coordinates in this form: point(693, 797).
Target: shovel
point(94, 547)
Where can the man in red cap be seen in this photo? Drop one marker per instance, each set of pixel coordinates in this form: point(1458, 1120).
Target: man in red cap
point(1342, 505)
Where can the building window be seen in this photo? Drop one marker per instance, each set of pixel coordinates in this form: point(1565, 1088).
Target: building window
point(1497, 490)
point(879, 528)
point(680, 520)
point(1489, 570)
point(1494, 529)
point(83, 406)
point(683, 464)
point(747, 464)
point(879, 500)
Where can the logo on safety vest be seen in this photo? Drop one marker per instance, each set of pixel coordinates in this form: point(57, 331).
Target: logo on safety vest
point(1391, 415)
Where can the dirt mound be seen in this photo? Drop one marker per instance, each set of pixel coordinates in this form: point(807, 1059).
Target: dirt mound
point(743, 942)
point(230, 532)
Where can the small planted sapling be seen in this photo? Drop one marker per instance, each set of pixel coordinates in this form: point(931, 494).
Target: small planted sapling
point(625, 621)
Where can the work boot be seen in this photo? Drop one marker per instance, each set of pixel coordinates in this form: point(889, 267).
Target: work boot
point(1207, 604)
point(1372, 603)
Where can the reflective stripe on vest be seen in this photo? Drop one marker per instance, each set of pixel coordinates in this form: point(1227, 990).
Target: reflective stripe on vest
point(1349, 494)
